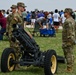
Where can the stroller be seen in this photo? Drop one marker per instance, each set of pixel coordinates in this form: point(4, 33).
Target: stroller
point(47, 32)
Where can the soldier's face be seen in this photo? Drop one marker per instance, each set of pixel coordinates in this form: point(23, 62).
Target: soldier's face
point(13, 10)
point(23, 9)
point(65, 14)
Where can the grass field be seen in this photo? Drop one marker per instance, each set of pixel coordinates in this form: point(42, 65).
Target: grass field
point(45, 43)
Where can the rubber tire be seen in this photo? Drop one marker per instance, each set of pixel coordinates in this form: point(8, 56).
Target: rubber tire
point(4, 59)
point(47, 62)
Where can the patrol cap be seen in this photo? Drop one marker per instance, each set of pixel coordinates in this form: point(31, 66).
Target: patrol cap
point(68, 10)
point(13, 6)
point(21, 4)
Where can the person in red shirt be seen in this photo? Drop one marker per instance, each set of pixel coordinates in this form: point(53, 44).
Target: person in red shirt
point(3, 22)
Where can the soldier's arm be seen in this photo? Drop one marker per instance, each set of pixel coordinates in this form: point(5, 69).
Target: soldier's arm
point(75, 32)
point(69, 31)
point(19, 20)
point(7, 25)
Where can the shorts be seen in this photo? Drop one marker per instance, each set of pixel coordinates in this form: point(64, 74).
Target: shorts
point(33, 20)
point(56, 23)
point(25, 19)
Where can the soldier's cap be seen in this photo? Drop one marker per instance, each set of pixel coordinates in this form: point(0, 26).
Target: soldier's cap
point(21, 4)
point(68, 10)
point(13, 6)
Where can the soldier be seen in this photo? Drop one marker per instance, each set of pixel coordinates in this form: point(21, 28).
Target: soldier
point(15, 18)
point(68, 38)
point(21, 6)
point(10, 21)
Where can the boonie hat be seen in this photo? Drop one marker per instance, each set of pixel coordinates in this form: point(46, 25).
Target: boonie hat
point(68, 10)
point(21, 4)
point(13, 6)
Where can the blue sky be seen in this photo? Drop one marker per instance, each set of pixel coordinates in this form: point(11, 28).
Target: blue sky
point(46, 5)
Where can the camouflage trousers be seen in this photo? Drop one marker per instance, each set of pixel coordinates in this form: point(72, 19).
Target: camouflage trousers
point(68, 53)
point(15, 46)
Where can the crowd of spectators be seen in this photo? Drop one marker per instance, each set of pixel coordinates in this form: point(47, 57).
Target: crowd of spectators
point(3, 23)
point(54, 18)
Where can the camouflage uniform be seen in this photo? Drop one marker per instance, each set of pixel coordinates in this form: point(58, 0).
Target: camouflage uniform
point(68, 38)
point(20, 4)
point(75, 32)
point(14, 18)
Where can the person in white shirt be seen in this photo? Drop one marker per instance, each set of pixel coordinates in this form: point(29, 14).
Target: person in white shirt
point(62, 19)
point(56, 19)
point(49, 15)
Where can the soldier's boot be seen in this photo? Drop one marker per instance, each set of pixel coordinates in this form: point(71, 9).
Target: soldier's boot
point(69, 69)
point(17, 67)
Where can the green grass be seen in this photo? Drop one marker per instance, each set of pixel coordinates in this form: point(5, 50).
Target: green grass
point(45, 43)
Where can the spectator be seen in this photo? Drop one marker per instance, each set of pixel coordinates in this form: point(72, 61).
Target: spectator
point(4, 13)
point(50, 19)
point(49, 15)
point(24, 14)
point(62, 19)
point(61, 12)
point(33, 18)
point(28, 17)
point(39, 24)
point(8, 12)
point(56, 19)
point(3, 26)
point(40, 14)
point(73, 15)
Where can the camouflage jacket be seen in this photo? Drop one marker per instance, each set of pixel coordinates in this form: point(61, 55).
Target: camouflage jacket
point(68, 33)
point(13, 19)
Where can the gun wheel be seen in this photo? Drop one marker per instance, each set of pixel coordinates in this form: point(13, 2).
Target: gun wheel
point(7, 58)
point(53, 62)
point(50, 62)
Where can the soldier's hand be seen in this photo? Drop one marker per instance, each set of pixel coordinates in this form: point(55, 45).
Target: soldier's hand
point(15, 19)
point(6, 33)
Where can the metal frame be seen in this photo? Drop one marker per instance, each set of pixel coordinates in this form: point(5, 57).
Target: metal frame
point(31, 53)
